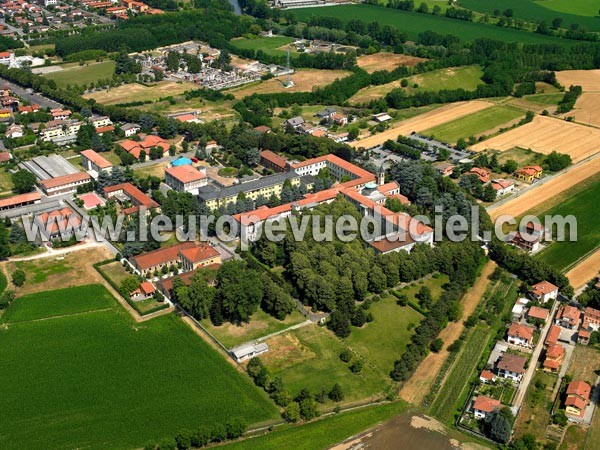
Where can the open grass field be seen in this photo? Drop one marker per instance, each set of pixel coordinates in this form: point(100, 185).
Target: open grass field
point(413, 23)
point(474, 124)
point(304, 81)
point(6, 184)
point(76, 74)
point(546, 192)
point(137, 92)
point(386, 61)
point(575, 437)
point(582, 12)
point(545, 135)
point(269, 45)
point(98, 380)
point(563, 254)
point(593, 438)
point(584, 364)
point(425, 121)
point(535, 414)
point(323, 433)
point(261, 324)
point(466, 77)
point(522, 156)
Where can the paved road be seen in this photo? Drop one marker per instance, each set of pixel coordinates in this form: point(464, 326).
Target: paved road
point(41, 100)
point(535, 356)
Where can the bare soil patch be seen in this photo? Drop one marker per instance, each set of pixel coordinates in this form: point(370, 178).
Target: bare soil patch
point(587, 109)
point(585, 270)
point(424, 121)
point(544, 192)
point(387, 61)
point(304, 81)
point(589, 80)
point(545, 135)
point(415, 389)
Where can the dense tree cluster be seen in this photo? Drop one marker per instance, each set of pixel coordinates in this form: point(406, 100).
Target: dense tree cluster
point(568, 101)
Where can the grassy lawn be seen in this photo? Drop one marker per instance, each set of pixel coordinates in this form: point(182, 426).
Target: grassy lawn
point(115, 272)
point(474, 124)
point(324, 433)
point(103, 381)
point(563, 254)
point(261, 324)
point(413, 23)
point(575, 438)
point(269, 45)
point(593, 440)
point(60, 302)
point(585, 364)
point(544, 99)
point(535, 415)
point(38, 271)
point(77, 74)
point(523, 157)
point(582, 12)
point(6, 183)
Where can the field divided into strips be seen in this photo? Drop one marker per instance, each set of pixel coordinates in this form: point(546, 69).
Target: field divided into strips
point(474, 124)
point(545, 135)
point(582, 12)
point(465, 77)
point(582, 203)
point(74, 74)
point(413, 23)
point(424, 121)
point(98, 380)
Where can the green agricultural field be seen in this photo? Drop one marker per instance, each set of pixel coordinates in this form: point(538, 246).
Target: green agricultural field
point(545, 99)
point(413, 23)
point(269, 45)
point(578, 203)
point(582, 12)
point(97, 380)
point(324, 433)
point(474, 124)
point(75, 74)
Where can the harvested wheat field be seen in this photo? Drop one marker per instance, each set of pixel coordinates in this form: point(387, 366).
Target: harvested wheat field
point(585, 270)
point(543, 192)
point(134, 92)
point(424, 121)
point(545, 135)
point(587, 109)
point(304, 81)
point(415, 389)
point(589, 80)
point(387, 61)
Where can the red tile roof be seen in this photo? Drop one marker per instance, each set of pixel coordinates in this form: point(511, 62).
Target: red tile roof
point(105, 129)
point(487, 375)
point(274, 158)
point(571, 313)
point(521, 331)
point(553, 335)
point(20, 199)
point(538, 313)
point(60, 220)
point(200, 253)
point(4, 157)
point(555, 351)
point(96, 159)
point(486, 404)
point(512, 363)
point(185, 174)
point(134, 194)
point(91, 200)
point(160, 256)
point(64, 180)
point(543, 287)
point(147, 288)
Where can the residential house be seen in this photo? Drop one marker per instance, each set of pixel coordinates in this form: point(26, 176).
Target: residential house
point(29, 109)
point(445, 169)
point(294, 122)
point(553, 335)
point(130, 129)
point(14, 131)
point(503, 187)
point(185, 178)
point(487, 376)
point(525, 242)
point(536, 313)
point(145, 291)
point(60, 114)
point(482, 174)
point(578, 397)
point(518, 310)
point(483, 405)
point(583, 336)
point(511, 367)
point(519, 334)
point(339, 119)
point(100, 121)
point(568, 317)
point(146, 145)
point(529, 174)
point(247, 351)
point(5, 157)
point(591, 318)
point(544, 291)
point(555, 354)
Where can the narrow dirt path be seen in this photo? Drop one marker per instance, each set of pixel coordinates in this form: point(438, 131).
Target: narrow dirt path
point(417, 387)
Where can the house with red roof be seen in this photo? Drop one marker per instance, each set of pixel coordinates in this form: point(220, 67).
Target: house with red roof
point(146, 144)
point(568, 317)
point(185, 178)
point(578, 397)
point(503, 187)
point(94, 162)
point(482, 174)
point(273, 161)
point(536, 313)
point(519, 334)
point(483, 405)
point(202, 255)
point(127, 192)
point(555, 354)
point(529, 174)
point(553, 335)
point(544, 291)
point(487, 376)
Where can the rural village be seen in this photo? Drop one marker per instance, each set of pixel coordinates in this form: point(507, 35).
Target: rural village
point(260, 113)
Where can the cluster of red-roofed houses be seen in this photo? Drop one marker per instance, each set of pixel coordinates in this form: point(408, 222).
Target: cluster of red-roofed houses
point(503, 186)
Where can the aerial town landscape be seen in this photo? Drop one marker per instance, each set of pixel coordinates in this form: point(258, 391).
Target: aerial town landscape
point(308, 224)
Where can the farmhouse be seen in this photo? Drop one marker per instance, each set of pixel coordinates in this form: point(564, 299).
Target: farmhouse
point(568, 317)
point(578, 397)
point(511, 367)
point(483, 405)
point(95, 163)
point(529, 174)
point(544, 291)
point(5, 157)
point(555, 354)
point(185, 178)
point(519, 334)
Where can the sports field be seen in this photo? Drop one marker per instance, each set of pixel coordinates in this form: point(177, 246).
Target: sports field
point(578, 202)
point(78, 372)
point(413, 23)
point(466, 77)
point(582, 12)
point(269, 45)
point(74, 74)
point(474, 124)
point(545, 135)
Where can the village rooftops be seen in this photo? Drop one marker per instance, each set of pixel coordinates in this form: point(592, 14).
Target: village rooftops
point(553, 335)
point(200, 252)
point(234, 190)
point(21, 199)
